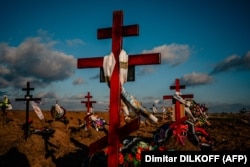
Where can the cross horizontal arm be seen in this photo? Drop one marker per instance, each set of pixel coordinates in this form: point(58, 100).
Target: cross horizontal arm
point(183, 96)
point(28, 89)
point(88, 96)
point(168, 97)
point(123, 132)
point(88, 101)
point(94, 62)
point(23, 99)
point(130, 30)
point(137, 59)
point(180, 87)
point(144, 59)
point(187, 96)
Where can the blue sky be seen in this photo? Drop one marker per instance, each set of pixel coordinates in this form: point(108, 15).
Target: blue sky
point(203, 43)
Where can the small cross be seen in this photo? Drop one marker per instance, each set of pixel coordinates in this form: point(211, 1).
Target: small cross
point(177, 88)
point(27, 98)
point(88, 104)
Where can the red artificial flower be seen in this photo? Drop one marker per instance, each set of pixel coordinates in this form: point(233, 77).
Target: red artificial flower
point(130, 157)
point(106, 150)
point(139, 150)
point(138, 156)
point(161, 148)
point(121, 158)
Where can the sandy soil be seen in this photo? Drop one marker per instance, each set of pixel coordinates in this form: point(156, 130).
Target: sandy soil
point(69, 144)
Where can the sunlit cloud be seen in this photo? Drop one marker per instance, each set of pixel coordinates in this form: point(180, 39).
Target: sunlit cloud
point(195, 79)
point(173, 55)
point(34, 61)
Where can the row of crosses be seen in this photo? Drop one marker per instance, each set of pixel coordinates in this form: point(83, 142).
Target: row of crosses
point(115, 132)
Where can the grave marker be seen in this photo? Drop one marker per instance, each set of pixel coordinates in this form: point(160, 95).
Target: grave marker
point(177, 88)
point(117, 32)
point(27, 98)
point(88, 104)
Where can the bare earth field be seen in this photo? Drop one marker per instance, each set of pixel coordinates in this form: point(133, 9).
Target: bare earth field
point(67, 147)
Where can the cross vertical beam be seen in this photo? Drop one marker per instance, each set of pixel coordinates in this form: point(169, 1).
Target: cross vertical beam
point(117, 32)
point(177, 88)
point(27, 98)
point(115, 92)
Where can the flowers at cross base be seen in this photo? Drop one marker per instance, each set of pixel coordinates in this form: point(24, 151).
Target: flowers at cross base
point(132, 157)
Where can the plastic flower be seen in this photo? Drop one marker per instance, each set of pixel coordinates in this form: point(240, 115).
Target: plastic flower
point(130, 157)
point(121, 158)
point(138, 156)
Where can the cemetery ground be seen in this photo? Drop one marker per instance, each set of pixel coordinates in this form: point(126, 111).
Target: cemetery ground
point(68, 146)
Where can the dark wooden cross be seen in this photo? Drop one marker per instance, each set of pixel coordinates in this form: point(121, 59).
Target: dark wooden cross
point(88, 104)
point(177, 88)
point(27, 98)
point(117, 32)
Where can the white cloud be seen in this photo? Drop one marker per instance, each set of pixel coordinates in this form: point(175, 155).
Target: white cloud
point(36, 61)
point(50, 95)
point(173, 54)
point(78, 81)
point(74, 42)
point(195, 79)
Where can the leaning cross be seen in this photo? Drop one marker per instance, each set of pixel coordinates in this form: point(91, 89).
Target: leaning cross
point(27, 98)
point(117, 32)
point(177, 88)
point(88, 104)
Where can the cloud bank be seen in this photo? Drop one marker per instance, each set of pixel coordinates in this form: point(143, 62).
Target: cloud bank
point(173, 55)
point(195, 79)
point(233, 63)
point(35, 61)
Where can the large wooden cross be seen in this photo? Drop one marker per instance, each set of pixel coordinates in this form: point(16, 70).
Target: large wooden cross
point(117, 32)
point(88, 104)
point(27, 98)
point(177, 88)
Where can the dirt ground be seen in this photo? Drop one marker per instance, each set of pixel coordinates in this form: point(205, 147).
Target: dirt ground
point(69, 144)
